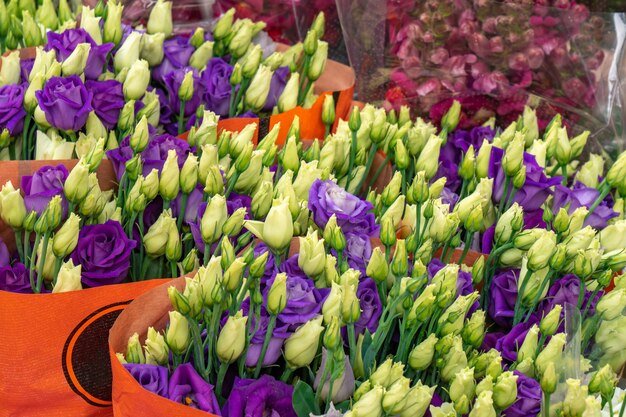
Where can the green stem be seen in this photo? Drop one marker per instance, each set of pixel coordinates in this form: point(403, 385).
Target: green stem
point(181, 117)
point(231, 183)
point(26, 248)
point(468, 242)
point(173, 269)
point(505, 194)
point(368, 165)
point(581, 294)
point(623, 408)
point(33, 257)
point(518, 300)
point(42, 261)
point(220, 378)
point(266, 343)
point(351, 161)
point(318, 393)
point(286, 374)
point(144, 269)
point(57, 267)
point(379, 171)
point(564, 171)
point(12, 150)
point(605, 191)
point(181, 213)
point(212, 331)
point(25, 138)
point(352, 343)
point(19, 244)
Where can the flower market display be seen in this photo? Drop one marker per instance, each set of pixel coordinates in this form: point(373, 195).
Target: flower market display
point(198, 221)
point(99, 80)
point(383, 305)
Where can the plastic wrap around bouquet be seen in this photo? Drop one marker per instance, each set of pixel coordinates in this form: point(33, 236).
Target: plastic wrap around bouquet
point(495, 57)
point(377, 311)
point(113, 75)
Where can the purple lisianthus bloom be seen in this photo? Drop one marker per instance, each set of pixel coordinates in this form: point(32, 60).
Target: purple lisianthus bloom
point(15, 279)
point(5, 257)
point(216, 79)
point(565, 290)
point(259, 398)
point(449, 197)
point(44, 184)
point(176, 54)
point(173, 81)
point(503, 293)
point(155, 154)
point(529, 396)
point(490, 340)
point(353, 214)
point(11, 108)
point(151, 377)
point(66, 102)
point(291, 268)
point(464, 279)
point(279, 335)
point(118, 157)
point(358, 251)
point(104, 252)
point(64, 44)
point(304, 301)
point(108, 100)
point(277, 85)
point(188, 388)
point(582, 196)
point(535, 190)
point(26, 66)
point(371, 307)
point(509, 344)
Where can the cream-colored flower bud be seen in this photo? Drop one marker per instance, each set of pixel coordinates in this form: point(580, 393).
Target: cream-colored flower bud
point(68, 278)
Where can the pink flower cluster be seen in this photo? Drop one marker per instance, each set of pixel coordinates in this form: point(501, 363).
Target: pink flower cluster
point(500, 49)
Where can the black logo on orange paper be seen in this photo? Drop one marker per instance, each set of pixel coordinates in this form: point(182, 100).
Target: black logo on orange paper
point(86, 362)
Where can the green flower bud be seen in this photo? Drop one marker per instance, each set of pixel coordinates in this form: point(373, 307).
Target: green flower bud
point(150, 185)
point(574, 403)
point(201, 55)
point(213, 219)
point(563, 150)
point(463, 385)
point(328, 110)
point(520, 178)
point(185, 92)
point(134, 352)
point(156, 348)
point(550, 323)
point(155, 240)
point(512, 160)
point(277, 295)
point(288, 100)
point(66, 238)
point(302, 346)
point(223, 25)
point(450, 120)
point(550, 353)
point(177, 334)
point(128, 53)
point(505, 390)
point(422, 355)
point(318, 61)
point(232, 339)
point(178, 300)
point(310, 42)
point(169, 183)
point(429, 157)
point(113, 23)
point(160, 20)
point(603, 382)
point(237, 76)
point(126, 120)
point(49, 219)
point(32, 33)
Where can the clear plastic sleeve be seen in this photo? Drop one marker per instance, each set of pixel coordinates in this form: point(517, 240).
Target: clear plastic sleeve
point(495, 57)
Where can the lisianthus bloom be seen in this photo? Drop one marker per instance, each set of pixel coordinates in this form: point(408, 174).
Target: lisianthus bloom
point(502, 295)
point(44, 184)
point(535, 190)
point(566, 290)
point(358, 251)
point(11, 108)
point(277, 85)
point(66, 102)
point(15, 278)
point(104, 252)
point(529, 396)
point(108, 100)
point(353, 214)
point(216, 79)
point(279, 335)
point(65, 42)
point(5, 257)
point(26, 66)
point(259, 397)
point(509, 344)
point(189, 388)
point(304, 301)
point(582, 196)
point(154, 378)
point(371, 307)
point(176, 53)
point(173, 81)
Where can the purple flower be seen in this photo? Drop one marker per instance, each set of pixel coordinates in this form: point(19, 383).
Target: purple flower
point(108, 100)
point(464, 279)
point(151, 377)
point(176, 54)
point(44, 184)
point(188, 388)
point(509, 344)
point(565, 290)
point(65, 102)
point(449, 197)
point(5, 257)
point(11, 110)
point(259, 398)
point(26, 66)
point(280, 333)
point(353, 214)
point(291, 268)
point(582, 196)
point(529, 396)
point(216, 80)
point(277, 85)
point(503, 293)
point(64, 44)
point(173, 81)
point(490, 340)
point(104, 252)
point(358, 251)
point(304, 301)
point(155, 154)
point(535, 190)
point(15, 279)
point(371, 307)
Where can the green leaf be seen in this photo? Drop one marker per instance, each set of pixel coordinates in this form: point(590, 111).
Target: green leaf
point(303, 400)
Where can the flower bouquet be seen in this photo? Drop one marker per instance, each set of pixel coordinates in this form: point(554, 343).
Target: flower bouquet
point(369, 315)
point(493, 56)
point(97, 81)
